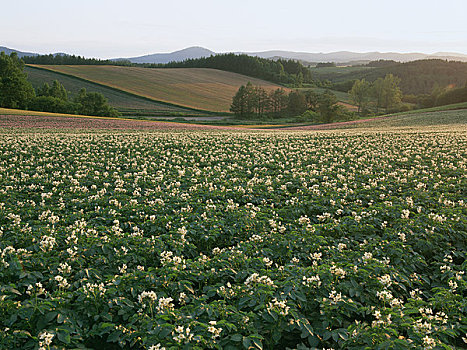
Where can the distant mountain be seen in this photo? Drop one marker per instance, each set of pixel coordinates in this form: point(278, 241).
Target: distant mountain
point(340, 57)
point(191, 52)
point(20, 53)
point(347, 56)
point(337, 57)
point(23, 54)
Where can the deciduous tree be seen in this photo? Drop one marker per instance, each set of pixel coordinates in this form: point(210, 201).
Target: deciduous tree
point(297, 103)
point(360, 94)
point(94, 103)
point(387, 92)
point(327, 106)
point(57, 90)
point(15, 90)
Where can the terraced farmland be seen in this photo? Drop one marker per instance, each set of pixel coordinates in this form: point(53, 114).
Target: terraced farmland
point(200, 88)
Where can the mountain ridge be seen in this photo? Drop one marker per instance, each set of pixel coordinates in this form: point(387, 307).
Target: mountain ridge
point(180, 55)
point(339, 57)
point(349, 56)
point(20, 53)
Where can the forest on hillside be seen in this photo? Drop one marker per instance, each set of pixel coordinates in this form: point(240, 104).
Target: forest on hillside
point(279, 71)
point(417, 77)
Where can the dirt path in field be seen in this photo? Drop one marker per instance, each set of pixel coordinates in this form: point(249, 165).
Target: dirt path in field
point(53, 122)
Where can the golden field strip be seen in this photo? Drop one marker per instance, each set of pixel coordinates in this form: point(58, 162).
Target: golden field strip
point(199, 88)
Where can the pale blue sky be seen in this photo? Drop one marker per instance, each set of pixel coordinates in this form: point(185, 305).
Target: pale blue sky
point(117, 28)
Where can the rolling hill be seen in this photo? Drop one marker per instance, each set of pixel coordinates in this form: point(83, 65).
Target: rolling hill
point(125, 103)
point(199, 88)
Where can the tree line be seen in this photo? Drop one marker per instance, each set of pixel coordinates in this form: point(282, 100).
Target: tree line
point(59, 59)
point(17, 92)
point(325, 64)
point(254, 102)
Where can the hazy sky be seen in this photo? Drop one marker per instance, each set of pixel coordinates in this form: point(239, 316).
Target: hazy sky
point(117, 28)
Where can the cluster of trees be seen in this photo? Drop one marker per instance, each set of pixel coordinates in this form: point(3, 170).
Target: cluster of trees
point(250, 101)
point(55, 99)
point(52, 99)
point(17, 92)
point(382, 93)
point(255, 102)
point(279, 71)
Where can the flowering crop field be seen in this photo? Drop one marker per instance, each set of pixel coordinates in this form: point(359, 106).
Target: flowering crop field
point(60, 122)
point(233, 240)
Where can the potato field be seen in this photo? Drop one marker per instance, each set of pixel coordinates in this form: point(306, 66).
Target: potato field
point(205, 239)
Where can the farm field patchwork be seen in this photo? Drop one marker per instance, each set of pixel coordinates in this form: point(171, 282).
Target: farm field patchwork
point(200, 88)
point(231, 240)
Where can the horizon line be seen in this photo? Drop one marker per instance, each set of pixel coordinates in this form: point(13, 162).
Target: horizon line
point(440, 53)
